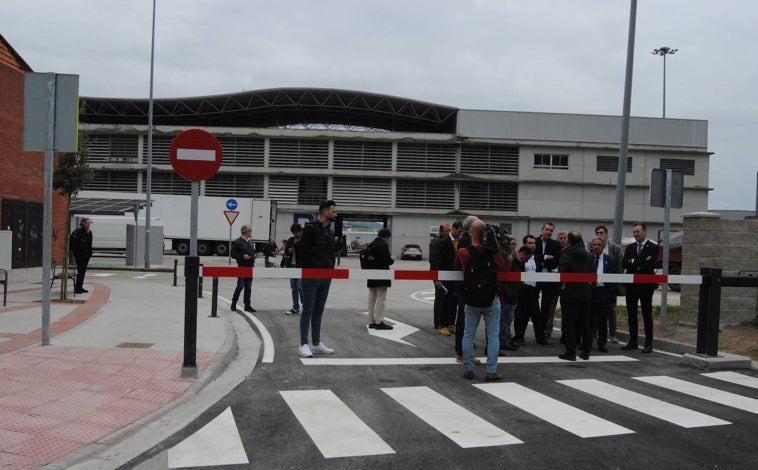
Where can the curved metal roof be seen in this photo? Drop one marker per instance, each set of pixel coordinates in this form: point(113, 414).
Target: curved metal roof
point(278, 107)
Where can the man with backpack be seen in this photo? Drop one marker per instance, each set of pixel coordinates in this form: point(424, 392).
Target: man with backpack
point(480, 262)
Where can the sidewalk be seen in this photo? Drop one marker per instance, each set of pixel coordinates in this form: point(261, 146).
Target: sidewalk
point(114, 363)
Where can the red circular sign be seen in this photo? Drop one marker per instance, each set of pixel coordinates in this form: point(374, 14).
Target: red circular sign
point(195, 154)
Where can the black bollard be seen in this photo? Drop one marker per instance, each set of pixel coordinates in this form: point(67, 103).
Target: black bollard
point(191, 276)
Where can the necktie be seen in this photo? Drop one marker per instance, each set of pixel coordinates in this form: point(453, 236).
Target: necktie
point(455, 244)
point(595, 264)
point(639, 248)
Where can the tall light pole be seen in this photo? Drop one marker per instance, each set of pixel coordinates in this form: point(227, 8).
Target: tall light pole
point(664, 51)
point(149, 172)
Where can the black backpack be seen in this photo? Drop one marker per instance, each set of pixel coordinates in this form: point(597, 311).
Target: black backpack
point(480, 278)
point(368, 257)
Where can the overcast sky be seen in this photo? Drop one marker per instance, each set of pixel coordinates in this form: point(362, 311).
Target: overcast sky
point(565, 56)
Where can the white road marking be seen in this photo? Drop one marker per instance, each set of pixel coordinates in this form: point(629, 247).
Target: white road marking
point(453, 421)
point(412, 361)
point(701, 391)
point(560, 414)
point(91, 274)
point(735, 378)
point(396, 334)
point(650, 406)
point(426, 296)
point(146, 276)
point(333, 427)
point(268, 342)
point(216, 443)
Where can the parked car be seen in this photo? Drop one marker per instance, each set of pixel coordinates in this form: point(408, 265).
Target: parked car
point(410, 251)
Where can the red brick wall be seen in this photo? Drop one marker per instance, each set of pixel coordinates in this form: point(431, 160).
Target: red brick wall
point(22, 173)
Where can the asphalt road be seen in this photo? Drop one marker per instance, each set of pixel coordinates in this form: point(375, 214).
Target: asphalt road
point(400, 401)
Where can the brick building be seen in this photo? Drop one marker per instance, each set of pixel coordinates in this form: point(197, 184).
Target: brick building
point(22, 175)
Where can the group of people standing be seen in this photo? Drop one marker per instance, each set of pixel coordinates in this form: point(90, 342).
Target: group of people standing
point(587, 308)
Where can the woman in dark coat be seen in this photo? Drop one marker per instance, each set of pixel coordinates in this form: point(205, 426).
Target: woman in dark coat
point(575, 298)
point(377, 288)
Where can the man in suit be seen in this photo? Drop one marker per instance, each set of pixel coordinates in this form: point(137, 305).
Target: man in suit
point(439, 258)
point(80, 243)
point(243, 251)
point(640, 258)
point(617, 252)
point(603, 293)
point(546, 257)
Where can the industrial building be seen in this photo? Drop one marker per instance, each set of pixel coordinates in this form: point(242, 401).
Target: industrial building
point(407, 164)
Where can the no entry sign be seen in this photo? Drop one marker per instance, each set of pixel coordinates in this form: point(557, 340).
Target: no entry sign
point(195, 154)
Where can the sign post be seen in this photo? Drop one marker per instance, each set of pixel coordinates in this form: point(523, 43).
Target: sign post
point(231, 216)
point(196, 155)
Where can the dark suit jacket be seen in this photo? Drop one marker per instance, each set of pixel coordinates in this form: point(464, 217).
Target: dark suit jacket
point(644, 263)
point(550, 247)
point(382, 260)
point(240, 248)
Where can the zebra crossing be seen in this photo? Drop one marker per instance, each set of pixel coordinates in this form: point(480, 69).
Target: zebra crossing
point(131, 274)
point(350, 436)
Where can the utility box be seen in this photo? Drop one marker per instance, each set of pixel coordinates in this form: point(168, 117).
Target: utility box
point(6, 249)
point(135, 246)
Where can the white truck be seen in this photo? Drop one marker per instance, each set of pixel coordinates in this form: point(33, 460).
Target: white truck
point(213, 229)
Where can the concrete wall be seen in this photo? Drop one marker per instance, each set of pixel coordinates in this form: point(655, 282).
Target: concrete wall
point(732, 245)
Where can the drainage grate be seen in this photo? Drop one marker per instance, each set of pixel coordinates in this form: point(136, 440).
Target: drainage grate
point(134, 345)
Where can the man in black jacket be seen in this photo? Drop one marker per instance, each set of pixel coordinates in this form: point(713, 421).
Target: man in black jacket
point(640, 258)
point(316, 250)
point(575, 298)
point(546, 257)
point(243, 251)
point(80, 243)
point(377, 288)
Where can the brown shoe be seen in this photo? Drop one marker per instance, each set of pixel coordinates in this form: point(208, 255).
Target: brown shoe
point(459, 360)
point(494, 377)
point(444, 331)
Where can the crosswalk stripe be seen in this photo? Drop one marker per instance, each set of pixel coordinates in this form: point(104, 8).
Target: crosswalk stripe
point(734, 377)
point(650, 406)
point(145, 276)
point(216, 443)
point(452, 420)
point(560, 414)
point(706, 393)
point(333, 427)
point(100, 274)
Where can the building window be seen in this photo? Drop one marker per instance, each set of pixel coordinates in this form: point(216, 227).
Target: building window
point(687, 167)
point(423, 194)
point(242, 151)
point(364, 192)
point(490, 159)
point(24, 220)
point(307, 190)
point(609, 163)
point(551, 161)
point(164, 182)
point(428, 158)
point(489, 196)
point(351, 155)
point(112, 148)
point(119, 181)
point(296, 153)
point(234, 185)
point(161, 149)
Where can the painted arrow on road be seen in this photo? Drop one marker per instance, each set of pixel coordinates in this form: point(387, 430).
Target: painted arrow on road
point(397, 334)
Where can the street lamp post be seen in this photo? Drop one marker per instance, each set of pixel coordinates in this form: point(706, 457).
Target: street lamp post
point(664, 51)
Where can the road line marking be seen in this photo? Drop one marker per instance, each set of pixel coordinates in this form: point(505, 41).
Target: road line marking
point(650, 406)
point(268, 342)
point(560, 414)
point(216, 443)
point(452, 420)
point(146, 276)
point(426, 296)
point(701, 391)
point(734, 377)
point(100, 274)
point(412, 361)
point(333, 427)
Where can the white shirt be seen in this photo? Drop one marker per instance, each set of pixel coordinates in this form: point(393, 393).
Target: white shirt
point(599, 268)
point(530, 266)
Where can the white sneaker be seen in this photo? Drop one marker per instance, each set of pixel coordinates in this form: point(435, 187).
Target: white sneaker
point(304, 351)
point(322, 349)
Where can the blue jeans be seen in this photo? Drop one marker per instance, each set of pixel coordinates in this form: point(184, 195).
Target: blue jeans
point(507, 312)
point(491, 316)
point(315, 292)
point(297, 292)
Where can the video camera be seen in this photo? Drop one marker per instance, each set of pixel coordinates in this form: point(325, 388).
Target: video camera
point(492, 238)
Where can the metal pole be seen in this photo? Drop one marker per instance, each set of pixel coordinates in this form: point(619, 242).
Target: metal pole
point(214, 298)
point(664, 86)
point(618, 217)
point(148, 186)
point(47, 218)
point(191, 274)
point(666, 235)
point(195, 192)
point(229, 247)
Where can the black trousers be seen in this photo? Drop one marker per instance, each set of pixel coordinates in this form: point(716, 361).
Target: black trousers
point(601, 310)
point(575, 315)
point(81, 270)
point(642, 293)
point(528, 308)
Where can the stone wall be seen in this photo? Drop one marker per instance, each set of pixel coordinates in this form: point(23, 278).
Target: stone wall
point(732, 245)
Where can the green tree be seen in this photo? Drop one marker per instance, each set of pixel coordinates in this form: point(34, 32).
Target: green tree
point(71, 175)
